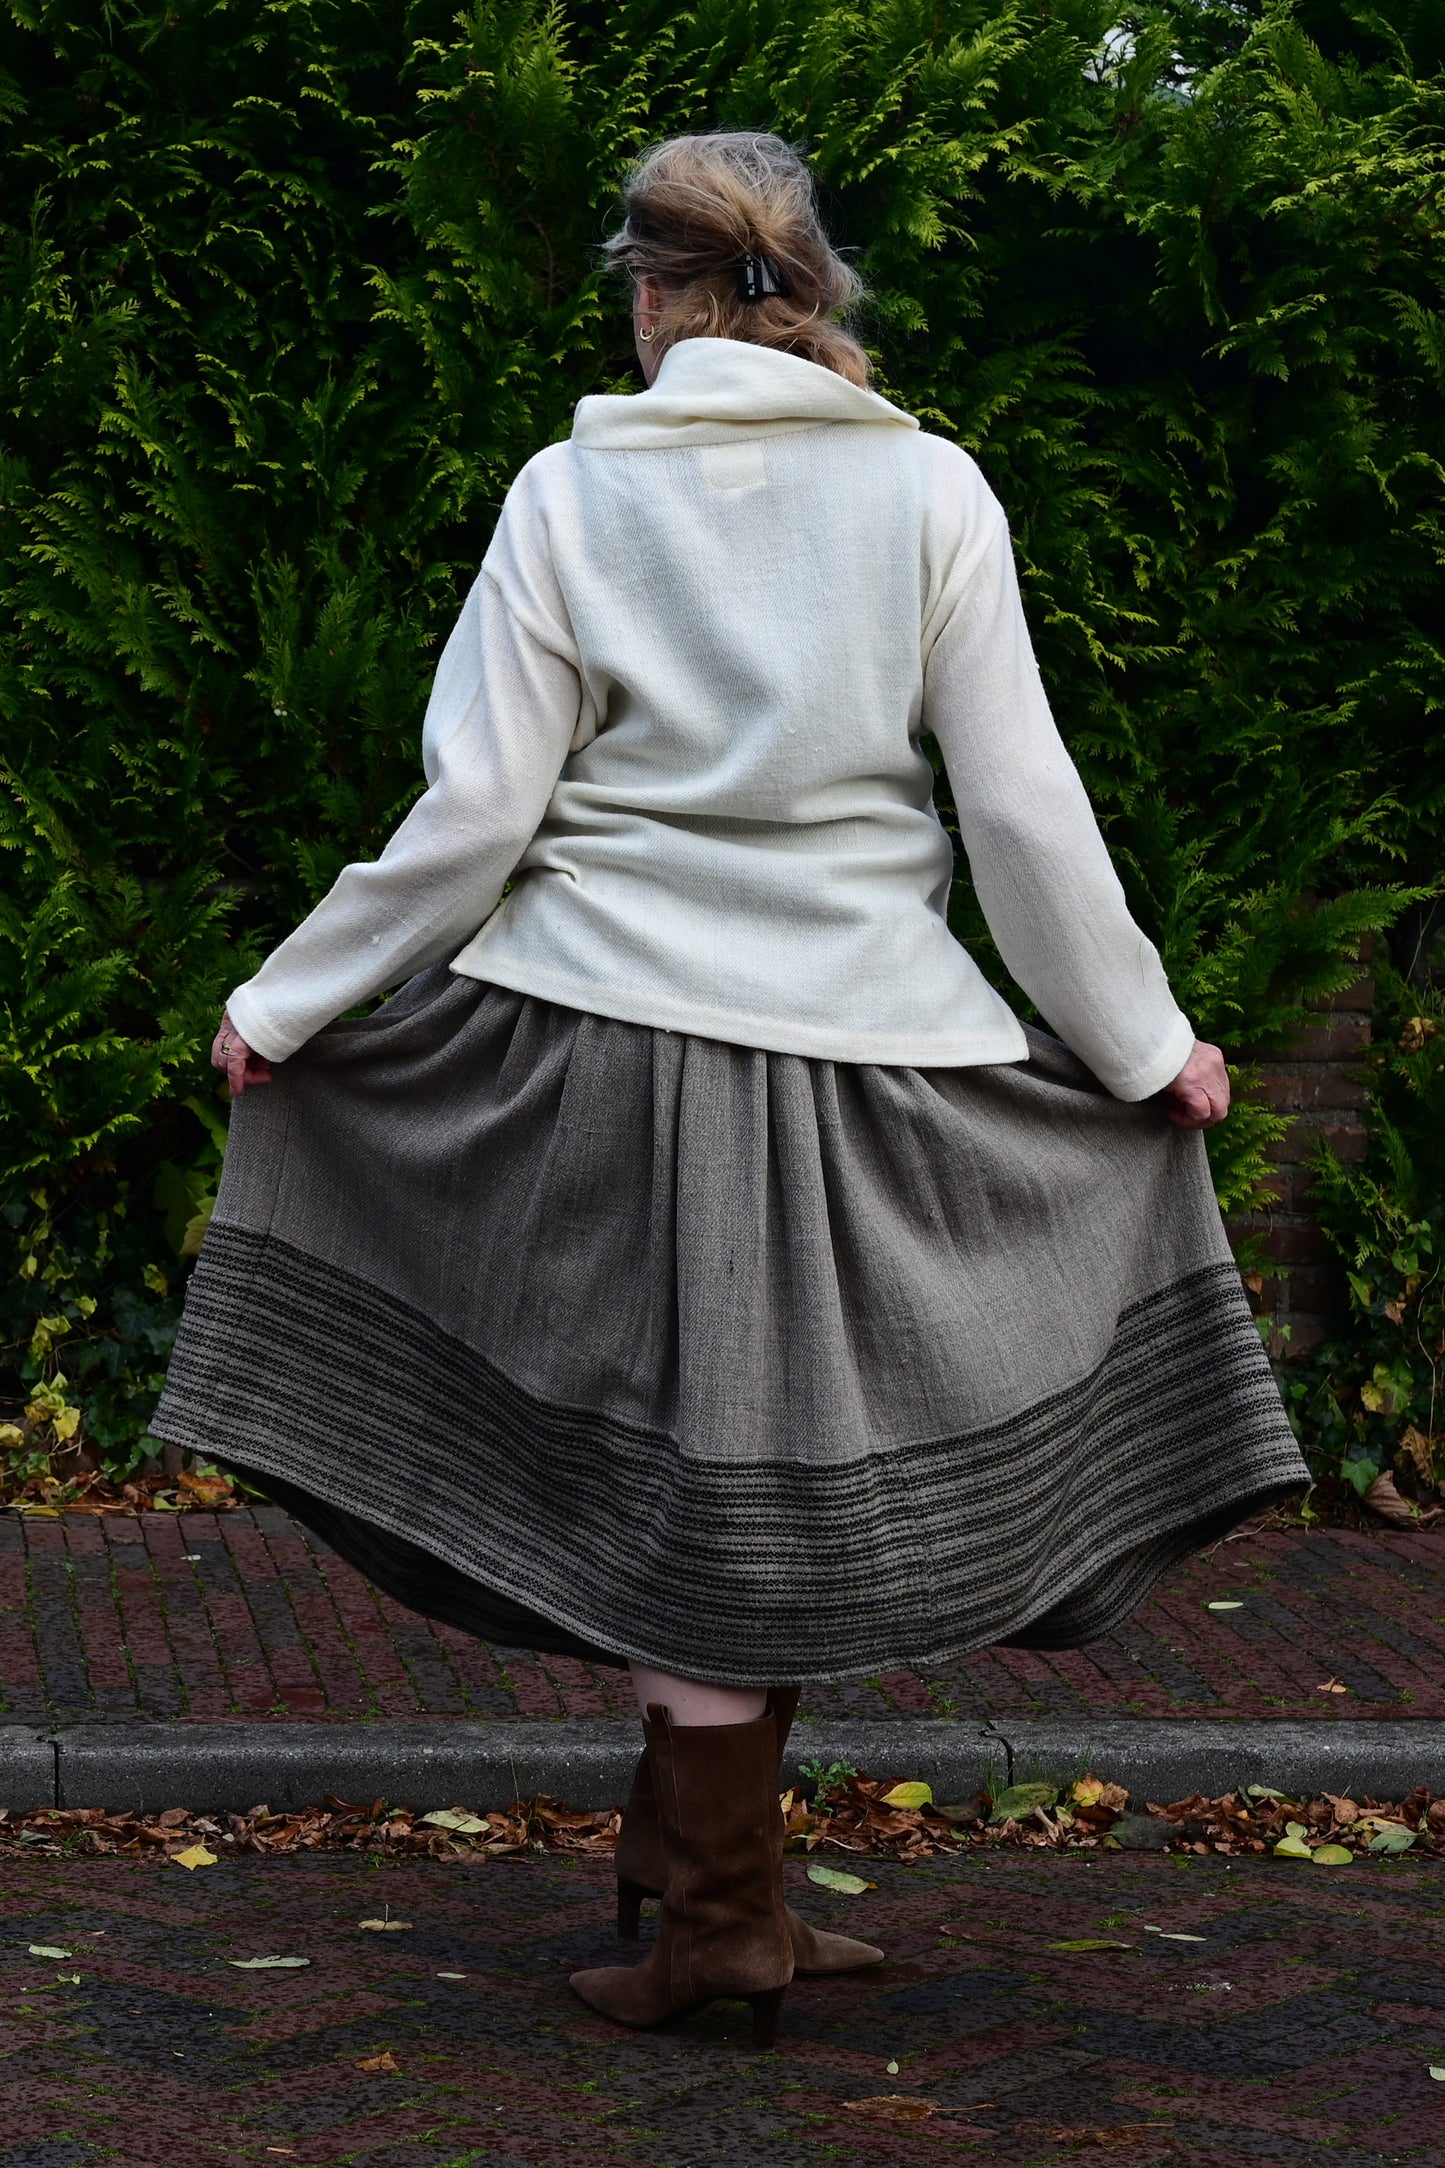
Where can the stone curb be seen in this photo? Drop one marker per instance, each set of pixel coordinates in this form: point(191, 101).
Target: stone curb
point(1170, 1760)
point(589, 1762)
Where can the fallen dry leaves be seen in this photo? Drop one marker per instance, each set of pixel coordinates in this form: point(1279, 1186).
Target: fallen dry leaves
point(854, 1818)
point(904, 2108)
point(1385, 1498)
point(536, 1825)
point(892, 2107)
point(46, 1497)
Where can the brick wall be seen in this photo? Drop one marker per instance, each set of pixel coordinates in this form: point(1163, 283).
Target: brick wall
point(1319, 1081)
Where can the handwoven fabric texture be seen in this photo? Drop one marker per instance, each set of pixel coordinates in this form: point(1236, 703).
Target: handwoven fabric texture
point(596, 1337)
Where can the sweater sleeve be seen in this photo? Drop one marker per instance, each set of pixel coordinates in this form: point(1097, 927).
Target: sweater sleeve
point(1040, 866)
point(501, 716)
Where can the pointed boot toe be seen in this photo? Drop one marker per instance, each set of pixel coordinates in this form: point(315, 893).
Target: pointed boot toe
point(815, 1950)
point(641, 1871)
point(723, 1934)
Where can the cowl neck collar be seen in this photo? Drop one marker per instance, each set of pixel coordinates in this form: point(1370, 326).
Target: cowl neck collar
point(712, 391)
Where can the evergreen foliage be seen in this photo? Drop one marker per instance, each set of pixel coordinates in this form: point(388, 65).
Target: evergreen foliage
point(1372, 1401)
point(289, 290)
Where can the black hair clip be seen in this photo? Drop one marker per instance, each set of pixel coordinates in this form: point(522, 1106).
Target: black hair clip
point(759, 279)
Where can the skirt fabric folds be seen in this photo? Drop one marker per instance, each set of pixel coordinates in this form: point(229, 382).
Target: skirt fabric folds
point(604, 1340)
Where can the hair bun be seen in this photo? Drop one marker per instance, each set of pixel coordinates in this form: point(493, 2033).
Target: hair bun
point(727, 226)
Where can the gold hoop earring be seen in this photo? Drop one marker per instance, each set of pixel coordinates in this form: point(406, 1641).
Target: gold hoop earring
point(648, 336)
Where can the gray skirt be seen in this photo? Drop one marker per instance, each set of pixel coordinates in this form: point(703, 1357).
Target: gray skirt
point(604, 1340)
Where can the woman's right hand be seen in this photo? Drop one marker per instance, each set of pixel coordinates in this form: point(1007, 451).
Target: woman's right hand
point(241, 1063)
point(1199, 1095)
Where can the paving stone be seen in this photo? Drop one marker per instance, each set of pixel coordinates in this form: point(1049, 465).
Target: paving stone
point(1299, 2032)
point(47, 2153)
point(228, 1616)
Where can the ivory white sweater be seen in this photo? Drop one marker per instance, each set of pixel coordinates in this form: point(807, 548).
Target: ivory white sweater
point(682, 707)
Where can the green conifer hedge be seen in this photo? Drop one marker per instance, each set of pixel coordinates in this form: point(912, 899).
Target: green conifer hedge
point(291, 288)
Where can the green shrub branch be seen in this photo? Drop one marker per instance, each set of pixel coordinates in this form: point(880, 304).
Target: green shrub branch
point(289, 293)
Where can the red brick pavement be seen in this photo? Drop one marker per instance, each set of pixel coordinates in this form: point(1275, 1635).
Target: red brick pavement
point(239, 1615)
point(1298, 2024)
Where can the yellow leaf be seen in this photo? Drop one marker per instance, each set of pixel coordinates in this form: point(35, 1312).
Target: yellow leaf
point(47, 1400)
point(1332, 1855)
point(1291, 1848)
point(66, 1422)
point(196, 1226)
point(852, 1885)
point(1087, 1792)
point(909, 1795)
point(46, 1331)
point(1091, 1942)
point(11, 1435)
point(195, 1855)
point(385, 2061)
point(1420, 1451)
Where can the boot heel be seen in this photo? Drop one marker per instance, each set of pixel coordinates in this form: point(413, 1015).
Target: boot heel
point(629, 1909)
point(765, 2008)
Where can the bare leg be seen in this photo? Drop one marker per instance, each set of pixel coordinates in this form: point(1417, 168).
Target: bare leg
point(691, 1701)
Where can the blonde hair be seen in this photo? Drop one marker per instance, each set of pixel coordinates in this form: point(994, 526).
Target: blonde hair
point(695, 206)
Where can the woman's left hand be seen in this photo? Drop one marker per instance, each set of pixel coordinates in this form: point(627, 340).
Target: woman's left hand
point(1199, 1095)
point(243, 1066)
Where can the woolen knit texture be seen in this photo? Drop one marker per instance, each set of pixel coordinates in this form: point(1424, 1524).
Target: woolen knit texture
point(684, 706)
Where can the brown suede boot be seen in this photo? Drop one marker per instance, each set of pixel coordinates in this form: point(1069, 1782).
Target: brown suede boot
point(640, 1871)
point(723, 1932)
